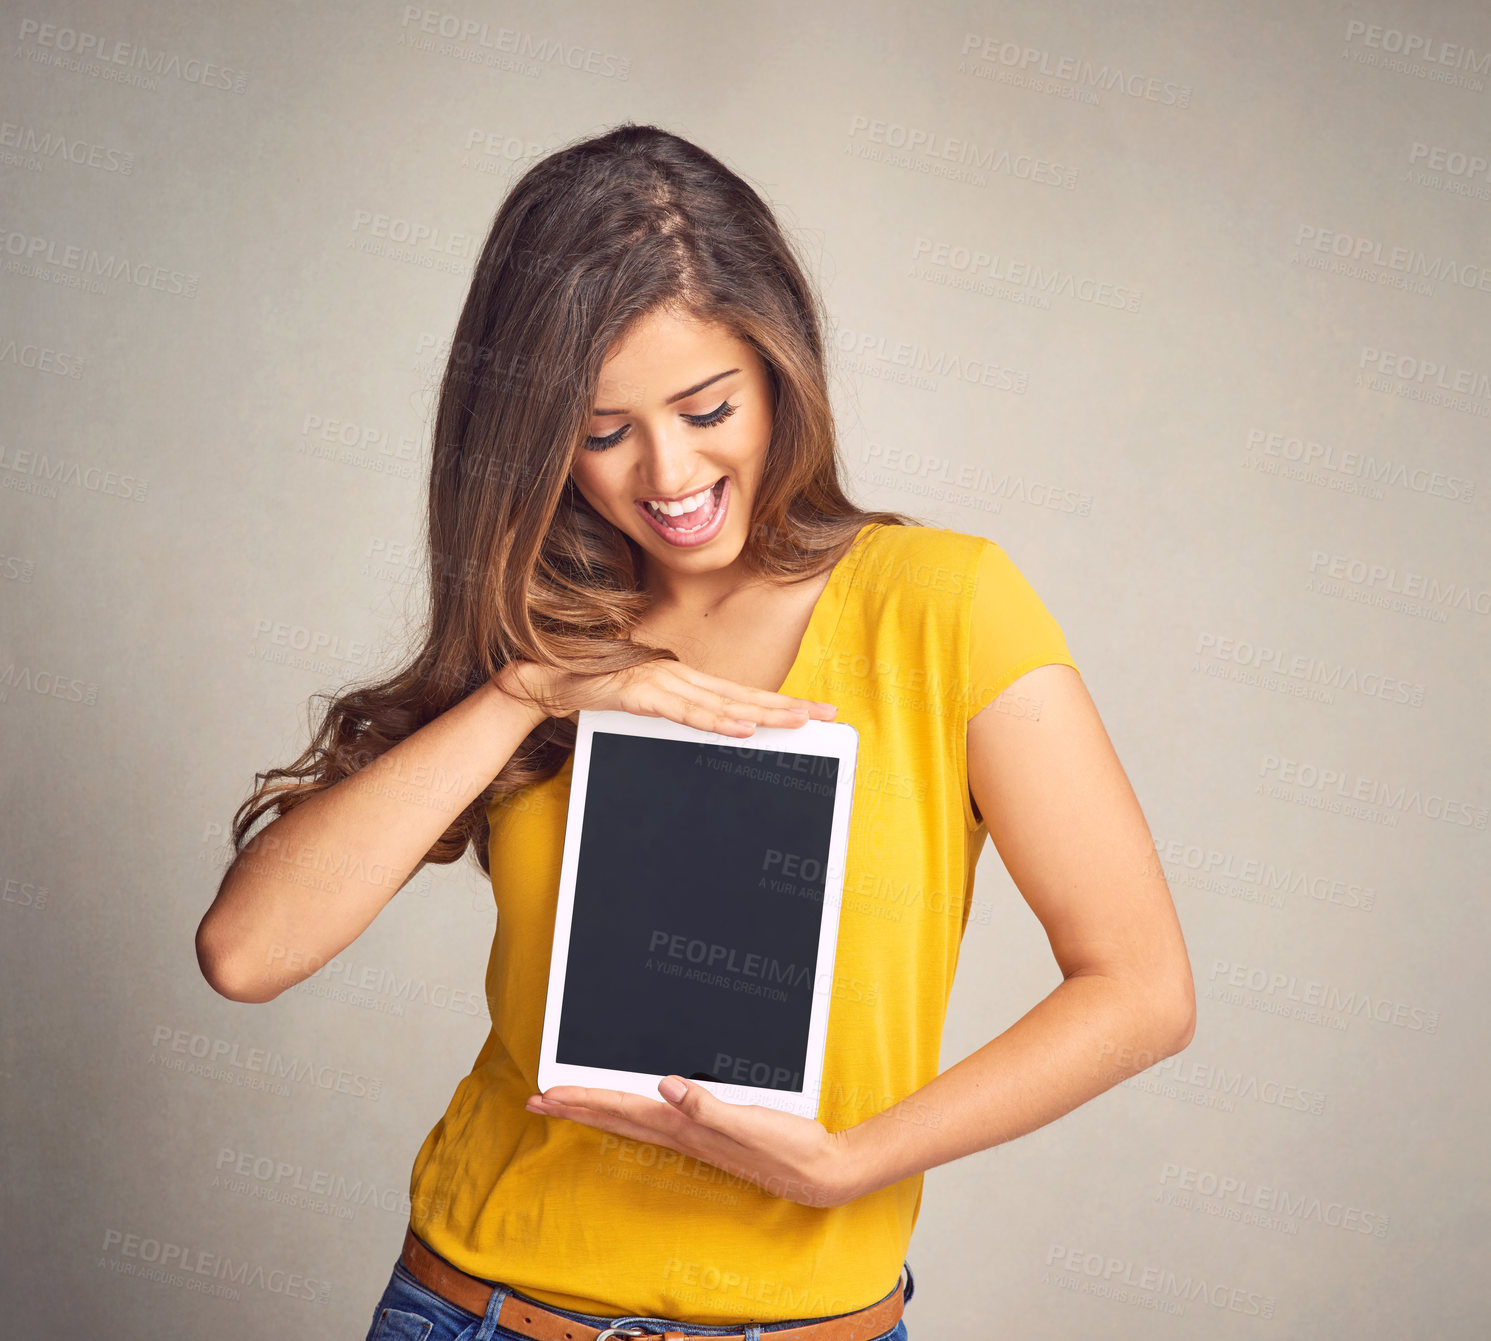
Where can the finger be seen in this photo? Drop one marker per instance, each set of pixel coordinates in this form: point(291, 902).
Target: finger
point(684, 705)
point(766, 699)
point(730, 1128)
point(747, 703)
point(679, 699)
point(621, 1105)
point(703, 1119)
point(635, 1131)
point(654, 1123)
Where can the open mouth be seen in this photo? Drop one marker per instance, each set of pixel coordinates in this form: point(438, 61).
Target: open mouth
point(691, 516)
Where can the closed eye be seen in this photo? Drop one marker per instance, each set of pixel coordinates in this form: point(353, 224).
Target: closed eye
point(716, 416)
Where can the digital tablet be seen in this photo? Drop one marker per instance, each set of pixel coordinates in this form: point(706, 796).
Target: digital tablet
point(698, 911)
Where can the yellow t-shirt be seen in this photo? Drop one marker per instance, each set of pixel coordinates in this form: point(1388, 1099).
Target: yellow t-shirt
point(917, 629)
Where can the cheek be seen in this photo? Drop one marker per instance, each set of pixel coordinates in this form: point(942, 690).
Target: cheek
point(594, 481)
point(584, 471)
point(763, 417)
point(580, 481)
point(755, 439)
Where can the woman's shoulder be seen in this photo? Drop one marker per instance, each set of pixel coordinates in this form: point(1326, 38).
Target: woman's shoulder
point(925, 558)
point(914, 583)
point(924, 539)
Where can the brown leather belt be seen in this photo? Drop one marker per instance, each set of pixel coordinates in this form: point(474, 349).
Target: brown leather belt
point(529, 1318)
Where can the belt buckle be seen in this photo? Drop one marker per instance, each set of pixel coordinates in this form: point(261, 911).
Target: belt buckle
point(633, 1330)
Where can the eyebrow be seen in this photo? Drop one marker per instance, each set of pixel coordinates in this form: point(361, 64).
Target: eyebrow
point(679, 395)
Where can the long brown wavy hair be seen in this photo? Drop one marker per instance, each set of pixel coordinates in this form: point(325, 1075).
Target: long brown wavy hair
point(591, 238)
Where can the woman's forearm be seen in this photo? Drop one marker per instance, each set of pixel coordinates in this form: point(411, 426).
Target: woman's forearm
point(1091, 1032)
point(309, 883)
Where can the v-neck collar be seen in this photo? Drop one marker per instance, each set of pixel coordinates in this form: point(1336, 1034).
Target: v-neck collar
point(823, 623)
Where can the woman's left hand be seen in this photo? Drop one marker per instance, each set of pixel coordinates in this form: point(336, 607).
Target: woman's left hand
point(785, 1155)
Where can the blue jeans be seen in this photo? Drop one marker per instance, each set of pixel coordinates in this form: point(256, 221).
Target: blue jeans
point(410, 1312)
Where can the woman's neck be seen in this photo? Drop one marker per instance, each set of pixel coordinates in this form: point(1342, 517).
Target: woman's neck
point(692, 596)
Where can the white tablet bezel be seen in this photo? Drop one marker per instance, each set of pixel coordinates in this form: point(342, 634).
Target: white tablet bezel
point(836, 740)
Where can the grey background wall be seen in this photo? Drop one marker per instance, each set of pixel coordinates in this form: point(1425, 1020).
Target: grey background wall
point(1186, 305)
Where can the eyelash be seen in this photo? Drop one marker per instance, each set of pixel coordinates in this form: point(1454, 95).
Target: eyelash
point(713, 419)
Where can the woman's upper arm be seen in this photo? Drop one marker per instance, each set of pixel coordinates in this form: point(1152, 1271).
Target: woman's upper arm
point(1067, 825)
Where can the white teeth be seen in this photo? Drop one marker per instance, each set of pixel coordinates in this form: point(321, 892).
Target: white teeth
point(678, 509)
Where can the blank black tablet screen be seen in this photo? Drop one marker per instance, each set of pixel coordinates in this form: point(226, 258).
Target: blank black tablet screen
point(698, 899)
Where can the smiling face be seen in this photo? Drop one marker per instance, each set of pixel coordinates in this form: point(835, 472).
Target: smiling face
point(682, 417)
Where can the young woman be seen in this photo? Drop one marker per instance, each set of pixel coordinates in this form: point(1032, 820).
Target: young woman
point(635, 503)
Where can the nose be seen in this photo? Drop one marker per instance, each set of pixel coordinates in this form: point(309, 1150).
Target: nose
point(669, 465)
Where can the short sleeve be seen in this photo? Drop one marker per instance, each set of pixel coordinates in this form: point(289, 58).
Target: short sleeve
point(1010, 631)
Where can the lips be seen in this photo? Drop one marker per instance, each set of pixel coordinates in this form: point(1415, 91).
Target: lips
point(698, 509)
point(697, 526)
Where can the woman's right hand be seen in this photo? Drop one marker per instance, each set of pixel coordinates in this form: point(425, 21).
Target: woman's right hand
point(668, 689)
